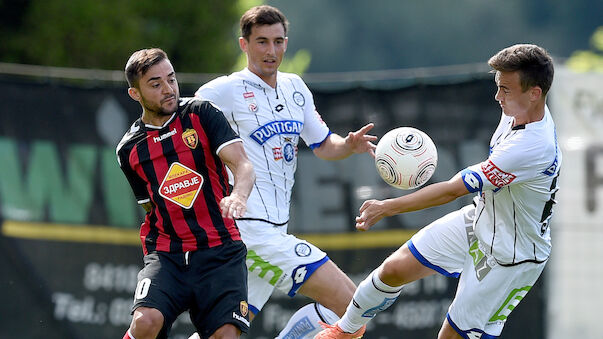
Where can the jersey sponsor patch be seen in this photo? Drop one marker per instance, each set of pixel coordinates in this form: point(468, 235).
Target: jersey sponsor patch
point(252, 105)
point(472, 181)
point(181, 185)
point(287, 152)
point(267, 131)
point(495, 175)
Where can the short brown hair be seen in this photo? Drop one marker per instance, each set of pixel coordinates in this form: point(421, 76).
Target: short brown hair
point(261, 15)
point(534, 64)
point(140, 62)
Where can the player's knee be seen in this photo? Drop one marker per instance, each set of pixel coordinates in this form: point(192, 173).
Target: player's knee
point(147, 322)
point(447, 332)
point(392, 271)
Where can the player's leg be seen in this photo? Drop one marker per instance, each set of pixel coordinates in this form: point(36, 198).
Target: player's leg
point(448, 332)
point(487, 294)
point(381, 288)
point(146, 323)
point(158, 298)
point(439, 247)
point(330, 287)
point(219, 307)
point(227, 331)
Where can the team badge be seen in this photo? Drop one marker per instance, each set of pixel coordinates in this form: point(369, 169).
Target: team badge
point(299, 99)
point(252, 105)
point(302, 250)
point(181, 185)
point(190, 138)
point(289, 152)
point(244, 307)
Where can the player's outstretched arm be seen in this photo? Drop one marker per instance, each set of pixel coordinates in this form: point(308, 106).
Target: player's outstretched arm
point(234, 156)
point(436, 194)
point(336, 147)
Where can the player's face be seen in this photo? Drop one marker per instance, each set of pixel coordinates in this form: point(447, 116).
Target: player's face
point(158, 91)
point(513, 100)
point(265, 49)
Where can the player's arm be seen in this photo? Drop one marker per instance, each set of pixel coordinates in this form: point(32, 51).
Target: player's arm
point(234, 156)
point(436, 194)
point(336, 147)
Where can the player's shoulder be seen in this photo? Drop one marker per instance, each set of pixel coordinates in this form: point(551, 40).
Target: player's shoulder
point(131, 137)
point(196, 105)
point(291, 77)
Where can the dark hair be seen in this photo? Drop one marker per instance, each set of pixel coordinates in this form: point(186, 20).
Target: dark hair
point(261, 15)
point(140, 62)
point(534, 64)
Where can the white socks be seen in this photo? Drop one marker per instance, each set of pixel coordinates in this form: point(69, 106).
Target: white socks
point(371, 297)
point(304, 322)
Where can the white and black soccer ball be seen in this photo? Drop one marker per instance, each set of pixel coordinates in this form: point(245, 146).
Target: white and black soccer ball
point(406, 158)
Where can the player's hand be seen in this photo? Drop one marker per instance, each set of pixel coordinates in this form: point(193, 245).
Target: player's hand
point(360, 142)
point(233, 206)
point(371, 212)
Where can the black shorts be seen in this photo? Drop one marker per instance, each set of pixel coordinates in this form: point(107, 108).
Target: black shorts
point(210, 283)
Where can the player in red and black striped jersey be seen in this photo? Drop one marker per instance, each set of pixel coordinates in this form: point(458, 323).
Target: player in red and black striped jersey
point(174, 158)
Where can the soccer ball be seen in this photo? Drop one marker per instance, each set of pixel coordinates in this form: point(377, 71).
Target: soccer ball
point(406, 157)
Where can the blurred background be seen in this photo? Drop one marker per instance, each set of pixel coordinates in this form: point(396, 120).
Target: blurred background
point(69, 250)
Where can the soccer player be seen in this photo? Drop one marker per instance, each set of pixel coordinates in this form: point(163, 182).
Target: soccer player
point(174, 158)
point(271, 110)
point(500, 244)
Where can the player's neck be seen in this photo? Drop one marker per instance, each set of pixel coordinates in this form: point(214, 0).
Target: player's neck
point(154, 119)
point(270, 79)
point(533, 114)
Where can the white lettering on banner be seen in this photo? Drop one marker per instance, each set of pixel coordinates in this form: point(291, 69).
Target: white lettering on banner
point(110, 277)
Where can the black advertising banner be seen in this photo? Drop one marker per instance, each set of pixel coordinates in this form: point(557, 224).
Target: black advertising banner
point(81, 289)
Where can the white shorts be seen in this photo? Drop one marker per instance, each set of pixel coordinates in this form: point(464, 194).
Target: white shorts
point(276, 259)
point(487, 292)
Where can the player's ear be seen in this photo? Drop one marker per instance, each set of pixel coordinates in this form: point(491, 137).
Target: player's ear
point(535, 93)
point(243, 44)
point(134, 93)
point(286, 42)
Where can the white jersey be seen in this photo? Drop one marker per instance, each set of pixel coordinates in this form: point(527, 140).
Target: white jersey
point(270, 122)
point(517, 185)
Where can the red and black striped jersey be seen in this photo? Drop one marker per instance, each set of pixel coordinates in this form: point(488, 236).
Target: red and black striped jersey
point(176, 168)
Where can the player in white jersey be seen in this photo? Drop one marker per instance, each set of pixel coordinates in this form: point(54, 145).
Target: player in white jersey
point(271, 110)
point(502, 242)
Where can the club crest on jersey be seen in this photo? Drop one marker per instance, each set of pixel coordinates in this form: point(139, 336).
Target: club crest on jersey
point(267, 131)
point(181, 185)
point(287, 152)
point(190, 138)
point(495, 175)
point(299, 99)
point(252, 105)
point(244, 308)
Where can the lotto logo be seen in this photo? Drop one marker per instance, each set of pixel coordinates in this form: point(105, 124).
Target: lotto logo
point(495, 175)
